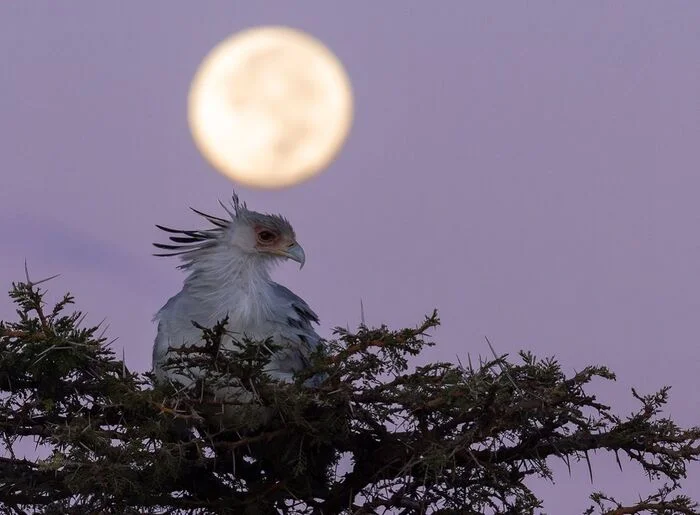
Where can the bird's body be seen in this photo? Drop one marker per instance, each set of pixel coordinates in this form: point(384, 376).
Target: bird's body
point(229, 276)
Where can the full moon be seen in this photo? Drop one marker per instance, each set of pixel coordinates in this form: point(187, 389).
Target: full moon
point(270, 107)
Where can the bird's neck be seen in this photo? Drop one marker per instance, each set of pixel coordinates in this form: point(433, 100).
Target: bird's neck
point(233, 284)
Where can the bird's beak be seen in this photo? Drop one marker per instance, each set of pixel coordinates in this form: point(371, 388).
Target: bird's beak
point(295, 253)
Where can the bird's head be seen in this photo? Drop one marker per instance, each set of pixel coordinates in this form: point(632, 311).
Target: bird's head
point(248, 233)
point(267, 236)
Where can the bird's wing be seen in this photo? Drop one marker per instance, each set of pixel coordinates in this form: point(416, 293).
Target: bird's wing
point(296, 316)
point(293, 319)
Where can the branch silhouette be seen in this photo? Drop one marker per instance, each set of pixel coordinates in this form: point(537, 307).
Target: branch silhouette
point(377, 435)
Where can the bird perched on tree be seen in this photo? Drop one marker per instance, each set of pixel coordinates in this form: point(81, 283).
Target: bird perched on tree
point(228, 269)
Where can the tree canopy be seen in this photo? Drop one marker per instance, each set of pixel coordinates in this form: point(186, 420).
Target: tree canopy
point(378, 436)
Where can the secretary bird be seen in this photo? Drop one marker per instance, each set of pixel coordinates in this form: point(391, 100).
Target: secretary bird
point(228, 268)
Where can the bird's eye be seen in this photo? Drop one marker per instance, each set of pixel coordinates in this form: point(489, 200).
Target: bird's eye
point(266, 236)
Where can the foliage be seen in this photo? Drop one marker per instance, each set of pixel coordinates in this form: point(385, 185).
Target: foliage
point(375, 437)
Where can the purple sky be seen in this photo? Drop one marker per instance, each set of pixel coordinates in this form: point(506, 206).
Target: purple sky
point(530, 169)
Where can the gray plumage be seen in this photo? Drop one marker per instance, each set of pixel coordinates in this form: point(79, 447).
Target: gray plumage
point(228, 269)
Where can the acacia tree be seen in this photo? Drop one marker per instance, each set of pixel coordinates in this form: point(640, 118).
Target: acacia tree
point(376, 436)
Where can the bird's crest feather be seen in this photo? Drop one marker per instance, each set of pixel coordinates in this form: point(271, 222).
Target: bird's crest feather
point(189, 242)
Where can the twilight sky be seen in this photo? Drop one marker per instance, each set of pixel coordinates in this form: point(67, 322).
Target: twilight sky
point(530, 169)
